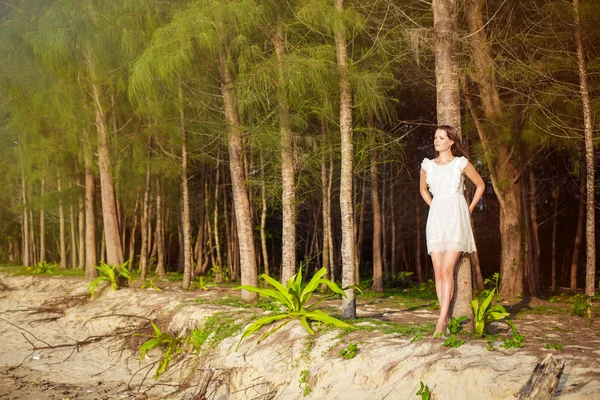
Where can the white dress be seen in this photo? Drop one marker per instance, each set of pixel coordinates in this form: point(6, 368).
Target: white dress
point(449, 220)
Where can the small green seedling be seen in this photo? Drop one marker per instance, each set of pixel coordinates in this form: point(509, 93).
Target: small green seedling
point(170, 343)
point(424, 392)
point(554, 346)
point(150, 285)
point(349, 352)
point(453, 341)
point(455, 324)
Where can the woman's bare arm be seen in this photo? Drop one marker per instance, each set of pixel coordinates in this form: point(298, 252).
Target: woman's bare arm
point(474, 176)
point(423, 188)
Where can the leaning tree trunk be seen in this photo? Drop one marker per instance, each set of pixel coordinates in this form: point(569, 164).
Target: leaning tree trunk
point(61, 225)
point(377, 265)
point(590, 275)
point(114, 251)
point(187, 230)
point(504, 170)
point(219, 270)
point(238, 178)
point(445, 26)
point(91, 259)
point(347, 162)
point(288, 196)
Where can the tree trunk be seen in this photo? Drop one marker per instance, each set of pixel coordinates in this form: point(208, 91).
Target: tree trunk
point(146, 233)
point(25, 221)
point(218, 272)
point(325, 203)
point(238, 178)
point(61, 224)
point(80, 225)
point(590, 238)
point(114, 251)
point(535, 237)
point(347, 169)
point(394, 267)
point(377, 265)
point(42, 223)
point(263, 216)
point(445, 26)
point(230, 266)
point(579, 234)
point(73, 236)
point(91, 259)
point(555, 195)
point(187, 230)
point(418, 258)
point(504, 169)
point(361, 227)
point(32, 248)
point(131, 259)
point(160, 247)
point(288, 196)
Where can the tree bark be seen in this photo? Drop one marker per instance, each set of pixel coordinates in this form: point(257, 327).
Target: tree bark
point(73, 235)
point(80, 225)
point(238, 178)
point(502, 169)
point(288, 196)
point(263, 216)
point(347, 169)
point(445, 26)
point(114, 251)
point(91, 259)
point(325, 203)
point(187, 230)
point(579, 234)
point(25, 221)
point(535, 237)
point(61, 225)
point(377, 265)
point(218, 272)
point(131, 264)
point(145, 221)
point(160, 247)
point(555, 195)
point(42, 223)
point(590, 231)
point(418, 258)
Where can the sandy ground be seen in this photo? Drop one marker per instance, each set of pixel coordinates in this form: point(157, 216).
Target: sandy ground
point(57, 344)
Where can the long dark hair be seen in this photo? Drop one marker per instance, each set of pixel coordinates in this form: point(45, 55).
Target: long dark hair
point(457, 148)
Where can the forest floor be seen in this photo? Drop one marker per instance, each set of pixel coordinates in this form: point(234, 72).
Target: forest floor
point(56, 343)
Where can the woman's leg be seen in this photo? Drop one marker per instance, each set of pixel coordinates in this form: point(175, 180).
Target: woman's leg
point(443, 266)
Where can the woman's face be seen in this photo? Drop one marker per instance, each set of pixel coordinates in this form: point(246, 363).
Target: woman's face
point(441, 141)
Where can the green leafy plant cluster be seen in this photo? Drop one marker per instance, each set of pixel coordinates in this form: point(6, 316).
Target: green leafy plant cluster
point(417, 337)
point(554, 346)
point(492, 286)
point(455, 324)
point(486, 313)
point(294, 300)
point(111, 274)
point(216, 328)
point(43, 267)
point(582, 305)
point(150, 285)
point(453, 341)
point(490, 339)
point(303, 383)
point(349, 352)
point(171, 345)
point(424, 392)
point(516, 341)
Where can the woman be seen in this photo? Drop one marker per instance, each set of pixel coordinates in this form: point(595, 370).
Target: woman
point(449, 221)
